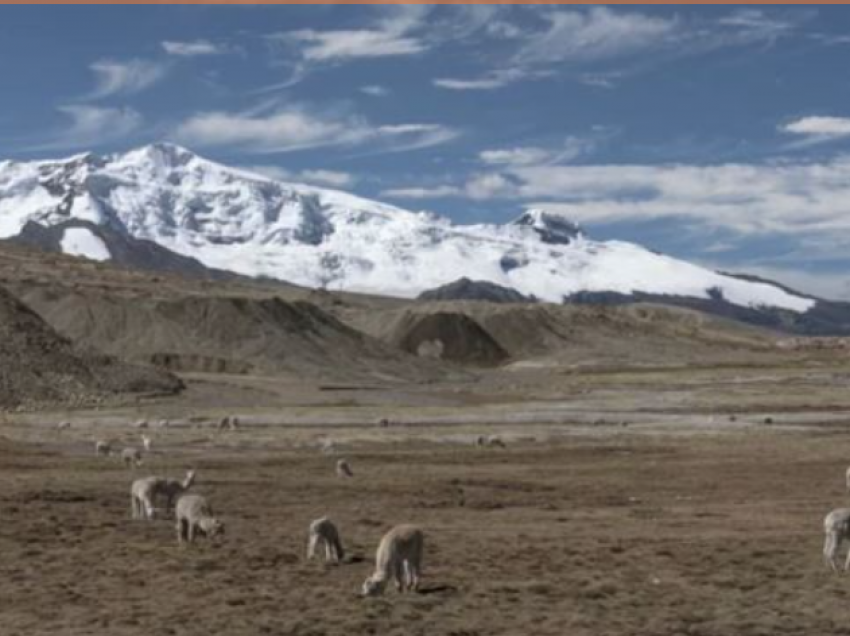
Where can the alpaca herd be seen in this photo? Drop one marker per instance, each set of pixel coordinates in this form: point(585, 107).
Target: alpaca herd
point(399, 553)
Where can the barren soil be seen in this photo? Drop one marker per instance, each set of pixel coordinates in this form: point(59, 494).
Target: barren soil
point(573, 529)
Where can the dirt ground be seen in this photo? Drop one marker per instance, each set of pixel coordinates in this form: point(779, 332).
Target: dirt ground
point(627, 532)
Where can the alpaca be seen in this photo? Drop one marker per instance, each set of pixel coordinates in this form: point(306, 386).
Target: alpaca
point(324, 532)
point(228, 422)
point(194, 515)
point(836, 526)
point(131, 456)
point(399, 557)
point(343, 469)
point(102, 448)
point(141, 424)
point(63, 426)
point(146, 442)
point(164, 424)
point(144, 492)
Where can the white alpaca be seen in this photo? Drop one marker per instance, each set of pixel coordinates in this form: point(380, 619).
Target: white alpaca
point(131, 456)
point(146, 442)
point(63, 426)
point(144, 492)
point(102, 448)
point(343, 469)
point(328, 446)
point(399, 557)
point(194, 515)
point(836, 526)
point(323, 532)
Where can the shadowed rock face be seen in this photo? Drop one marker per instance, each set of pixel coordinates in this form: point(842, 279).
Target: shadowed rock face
point(449, 336)
point(123, 249)
point(466, 289)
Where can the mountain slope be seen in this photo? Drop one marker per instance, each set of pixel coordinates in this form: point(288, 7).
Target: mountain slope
point(37, 365)
point(242, 222)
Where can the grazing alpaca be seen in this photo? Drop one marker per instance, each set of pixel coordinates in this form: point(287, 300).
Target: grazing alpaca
point(131, 457)
point(194, 515)
point(324, 532)
point(343, 469)
point(102, 448)
point(144, 492)
point(399, 557)
point(836, 526)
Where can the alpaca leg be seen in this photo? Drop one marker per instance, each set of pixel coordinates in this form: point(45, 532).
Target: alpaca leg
point(190, 533)
point(398, 573)
point(134, 513)
point(830, 550)
point(149, 510)
point(179, 531)
point(414, 574)
point(311, 546)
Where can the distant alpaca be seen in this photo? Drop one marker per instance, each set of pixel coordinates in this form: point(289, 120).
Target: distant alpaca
point(146, 442)
point(195, 515)
point(228, 422)
point(63, 426)
point(141, 424)
point(836, 526)
point(164, 424)
point(323, 532)
point(131, 457)
point(102, 448)
point(343, 469)
point(399, 557)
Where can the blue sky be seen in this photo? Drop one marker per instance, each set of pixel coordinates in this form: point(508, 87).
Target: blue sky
point(717, 134)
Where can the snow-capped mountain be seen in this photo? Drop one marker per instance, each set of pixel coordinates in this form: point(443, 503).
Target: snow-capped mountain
point(246, 223)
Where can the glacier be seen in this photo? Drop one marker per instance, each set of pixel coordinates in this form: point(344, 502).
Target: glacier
point(250, 224)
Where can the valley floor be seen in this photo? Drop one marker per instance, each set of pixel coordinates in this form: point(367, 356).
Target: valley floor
point(681, 521)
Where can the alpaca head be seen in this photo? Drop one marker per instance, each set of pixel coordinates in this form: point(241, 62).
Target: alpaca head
point(211, 527)
point(374, 586)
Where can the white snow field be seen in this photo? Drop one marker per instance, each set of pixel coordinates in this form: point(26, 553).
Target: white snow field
point(250, 224)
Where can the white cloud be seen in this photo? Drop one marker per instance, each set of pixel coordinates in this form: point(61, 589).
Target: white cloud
point(787, 198)
point(375, 90)
point(489, 81)
point(193, 49)
point(599, 33)
point(91, 126)
point(127, 77)
point(572, 148)
point(295, 128)
point(330, 178)
point(818, 129)
point(423, 193)
point(335, 45)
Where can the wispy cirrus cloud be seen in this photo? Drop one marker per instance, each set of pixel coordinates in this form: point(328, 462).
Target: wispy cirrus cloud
point(194, 48)
point(116, 77)
point(91, 126)
point(298, 128)
point(817, 129)
point(330, 178)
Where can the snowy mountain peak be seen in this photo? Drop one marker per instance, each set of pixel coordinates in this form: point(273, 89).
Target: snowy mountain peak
point(234, 220)
point(552, 228)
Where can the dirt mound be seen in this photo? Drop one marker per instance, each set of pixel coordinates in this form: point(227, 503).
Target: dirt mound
point(447, 336)
point(222, 334)
point(578, 334)
point(37, 365)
